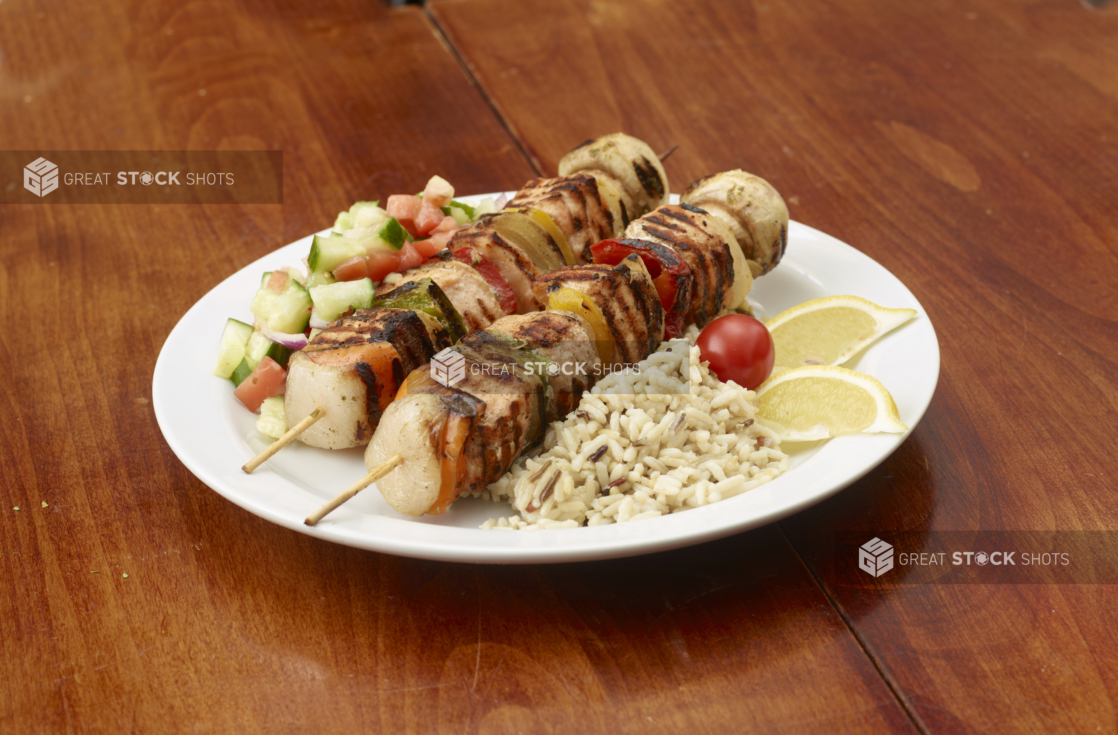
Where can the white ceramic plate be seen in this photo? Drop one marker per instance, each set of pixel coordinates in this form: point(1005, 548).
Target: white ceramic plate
point(214, 435)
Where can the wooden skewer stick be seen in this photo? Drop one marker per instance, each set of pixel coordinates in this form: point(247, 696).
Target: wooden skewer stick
point(284, 440)
point(664, 156)
point(352, 490)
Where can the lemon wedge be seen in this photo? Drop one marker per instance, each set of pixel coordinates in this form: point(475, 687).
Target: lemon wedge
point(830, 330)
point(820, 401)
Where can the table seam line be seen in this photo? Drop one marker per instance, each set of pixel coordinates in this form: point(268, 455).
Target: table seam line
point(894, 688)
point(444, 38)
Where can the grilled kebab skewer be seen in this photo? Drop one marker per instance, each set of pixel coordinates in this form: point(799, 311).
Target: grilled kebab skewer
point(344, 373)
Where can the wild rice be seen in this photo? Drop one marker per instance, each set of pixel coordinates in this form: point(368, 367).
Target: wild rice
point(640, 445)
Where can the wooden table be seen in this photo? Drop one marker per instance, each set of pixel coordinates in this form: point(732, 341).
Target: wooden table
point(971, 148)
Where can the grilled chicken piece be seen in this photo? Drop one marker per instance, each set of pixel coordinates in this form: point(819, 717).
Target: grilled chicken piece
point(576, 206)
point(504, 402)
point(509, 260)
point(627, 299)
point(628, 165)
point(721, 278)
point(567, 341)
point(353, 368)
point(466, 289)
point(753, 210)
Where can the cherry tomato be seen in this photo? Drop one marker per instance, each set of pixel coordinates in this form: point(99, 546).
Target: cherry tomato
point(738, 348)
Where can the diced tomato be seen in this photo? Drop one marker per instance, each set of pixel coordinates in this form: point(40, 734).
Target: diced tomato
point(409, 257)
point(449, 224)
point(427, 248)
point(266, 381)
point(442, 238)
point(382, 262)
point(405, 208)
point(277, 281)
point(505, 296)
point(429, 218)
point(353, 269)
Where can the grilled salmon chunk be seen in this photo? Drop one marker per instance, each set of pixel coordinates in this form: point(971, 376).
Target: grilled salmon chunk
point(353, 368)
point(505, 402)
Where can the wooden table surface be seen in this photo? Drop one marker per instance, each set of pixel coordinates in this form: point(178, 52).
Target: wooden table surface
point(970, 148)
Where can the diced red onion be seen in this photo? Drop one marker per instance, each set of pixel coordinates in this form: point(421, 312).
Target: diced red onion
point(318, 322)
point(290, 341)
point(502, 201)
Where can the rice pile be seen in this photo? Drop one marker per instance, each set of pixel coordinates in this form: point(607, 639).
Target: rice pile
point(641, 445)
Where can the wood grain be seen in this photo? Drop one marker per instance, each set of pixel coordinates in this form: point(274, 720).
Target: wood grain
point(971, 149)
point(137, 600)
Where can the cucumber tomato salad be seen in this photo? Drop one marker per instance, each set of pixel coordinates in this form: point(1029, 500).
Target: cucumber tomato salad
point(367, 243)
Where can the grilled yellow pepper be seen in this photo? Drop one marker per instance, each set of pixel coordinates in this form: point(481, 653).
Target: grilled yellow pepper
point(576, 302)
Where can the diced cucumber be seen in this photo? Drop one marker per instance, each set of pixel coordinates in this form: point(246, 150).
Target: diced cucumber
point(259, 347)
point(327, 253)
point(241, 373)
point(286, 312)
point(370, 238)
point(466, 210)
point(332, 301)
point(484, 207)
point(394, 233)
point(320, 279)
point(459, 215)
point(231, 350)
point(264, 278)
point(313, 334)
point(367, 214)
point(273, 421)
point(361, 214)
point(343, 222)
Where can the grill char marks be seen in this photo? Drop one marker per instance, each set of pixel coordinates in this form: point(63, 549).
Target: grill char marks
point(404, 329)
point(575, 205)
point(753, 210)
point(689, 233)
point(627, 299)
point(509, 260)
point(466, 289)
point(415, 337)
point(649, 177)
point(564, 339)
point(669, 257)
point(512, 419)
point(363, 430)
point(626, 164)
point(334, 372)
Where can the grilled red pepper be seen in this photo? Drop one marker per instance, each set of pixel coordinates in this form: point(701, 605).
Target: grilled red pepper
point(670, 275)
point(505, 297)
